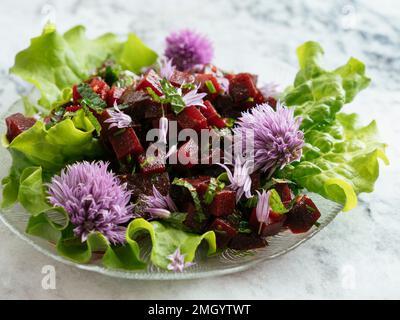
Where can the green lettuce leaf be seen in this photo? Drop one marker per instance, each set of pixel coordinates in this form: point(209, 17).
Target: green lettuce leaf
point(317, 94)
point(342, 162)
point(50, 149)
point(166, 240)
point(54, 62)
point(340, 159)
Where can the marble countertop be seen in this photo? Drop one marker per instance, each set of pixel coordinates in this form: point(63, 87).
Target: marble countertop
point(357, 255)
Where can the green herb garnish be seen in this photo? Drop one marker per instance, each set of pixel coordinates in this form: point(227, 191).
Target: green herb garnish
point(91, 98)
point(212, 190)
point(210, 86)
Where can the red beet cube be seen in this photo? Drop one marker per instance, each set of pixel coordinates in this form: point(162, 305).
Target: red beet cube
point(224, 232)
point(150, 165)
point(245, 241)
point(75, 94)
point(153, 110)
point(73, 108)
point(179, 78)
point(114, 95)
point(188, 154)
point(284, 192)
point(223, 203)
point(100, 87)
point(207, 82)
point(303, 215)
point(142, 184)
point(125, 143)
point(242, 87)
point(97, 84)
point(150, 80)
point(199, 183)
point(213, 118)
point(192, 118)
point(16, 124)
point(273, 227)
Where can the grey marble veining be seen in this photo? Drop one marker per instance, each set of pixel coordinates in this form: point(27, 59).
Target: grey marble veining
point(358, 254)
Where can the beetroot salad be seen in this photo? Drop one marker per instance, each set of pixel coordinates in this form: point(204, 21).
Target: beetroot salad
point(124, 143)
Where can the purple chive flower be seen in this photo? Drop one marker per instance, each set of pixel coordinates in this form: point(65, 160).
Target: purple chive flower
point(193, 98)
point(271, 89)
point(240, 179)
point(187, 49)
point(262, 209)
point(166, 68)
point(94, 200)
point(277, 138)
point(118, 118)
point(178, 261)
point(158, 205)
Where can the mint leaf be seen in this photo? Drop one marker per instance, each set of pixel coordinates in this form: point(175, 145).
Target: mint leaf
point(91, 98)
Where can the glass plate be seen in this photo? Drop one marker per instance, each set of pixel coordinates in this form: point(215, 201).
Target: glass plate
point(229, 261)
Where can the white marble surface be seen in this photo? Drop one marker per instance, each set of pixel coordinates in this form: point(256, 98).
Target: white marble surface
point(357, 255)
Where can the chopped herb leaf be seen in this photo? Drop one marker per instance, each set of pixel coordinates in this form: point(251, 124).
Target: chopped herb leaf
point(91, 98)
point(210, 86)
point(172, 96)
point(212, 190)
point(188, 86)
point(244, 227)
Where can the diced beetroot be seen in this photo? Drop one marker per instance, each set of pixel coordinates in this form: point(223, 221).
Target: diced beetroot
point(213, 118)
point(303, 215)
point(97, 84)
point(202, 79)
point(125, 143)
point(137, 102)
point(273, 227)
point(16, 124)
point(73, 108)
point(284, 192)
point(114, 95)
point(223, 204)
point(151, 165)
point(192, 118)
point(226, 107)
point(242, 87)
point(179, 78)
point(75, 94)
point(142, 184)
point(224, 232)
point(100, 87)
point(244, 241)
point(199, 183)
point(153, 110)
point(193, 220)
point(150, 80)
point(188, 154)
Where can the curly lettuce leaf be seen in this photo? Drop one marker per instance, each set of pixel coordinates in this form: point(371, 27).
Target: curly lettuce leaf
point(340, 159)
point(54, 62)
point(51, 149)
point(317, 94)
point(342, 162)
point(166, 240)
